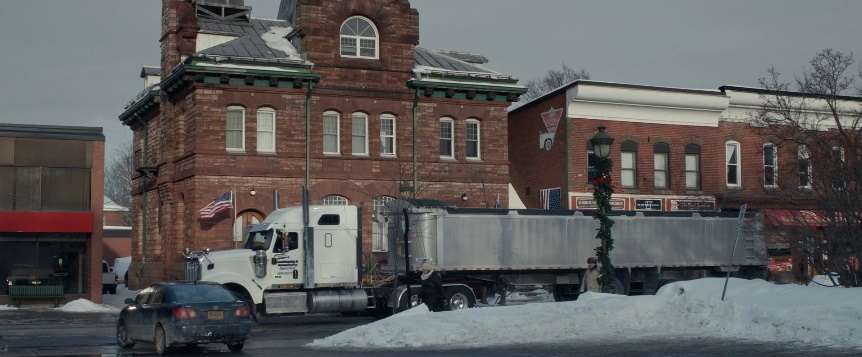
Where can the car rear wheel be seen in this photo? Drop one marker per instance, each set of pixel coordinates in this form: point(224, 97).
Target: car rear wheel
point(160, 341)
point(235, 347)
point(123, 338)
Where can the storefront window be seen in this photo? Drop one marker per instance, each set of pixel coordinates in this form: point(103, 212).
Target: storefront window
point(44, 259)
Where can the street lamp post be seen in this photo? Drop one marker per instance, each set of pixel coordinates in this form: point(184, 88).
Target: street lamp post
point(602, 191)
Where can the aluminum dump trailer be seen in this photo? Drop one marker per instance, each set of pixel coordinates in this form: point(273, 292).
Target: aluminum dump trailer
point(551, 247)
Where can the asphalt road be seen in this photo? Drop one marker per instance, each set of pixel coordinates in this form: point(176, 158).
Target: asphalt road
point(43, 332)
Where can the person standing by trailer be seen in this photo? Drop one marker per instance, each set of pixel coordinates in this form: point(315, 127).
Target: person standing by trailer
point(590, 281)
point(431, 292)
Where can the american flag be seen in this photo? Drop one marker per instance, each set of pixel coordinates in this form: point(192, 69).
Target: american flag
point(551, 198)
point(220, 204)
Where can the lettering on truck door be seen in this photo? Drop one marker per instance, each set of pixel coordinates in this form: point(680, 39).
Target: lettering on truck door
point(288, 258)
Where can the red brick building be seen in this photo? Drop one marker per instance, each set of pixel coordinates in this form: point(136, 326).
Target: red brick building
point(51, 209)
point(674, 149)
point(333, 95)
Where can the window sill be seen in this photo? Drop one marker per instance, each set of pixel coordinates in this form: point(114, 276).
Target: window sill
point(734, 188)
point(694, 192)
point(267, 153)
point(388, 156)
point(448, 158)
point(331, 154)
point(474, 159)
point(360, 155)
point(236, 151)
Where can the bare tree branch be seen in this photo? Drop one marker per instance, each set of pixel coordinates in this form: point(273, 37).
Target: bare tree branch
point(819, 129)
point(553, 79)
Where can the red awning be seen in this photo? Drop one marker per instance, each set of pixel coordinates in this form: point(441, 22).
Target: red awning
point(46, 222)
point(795, 218)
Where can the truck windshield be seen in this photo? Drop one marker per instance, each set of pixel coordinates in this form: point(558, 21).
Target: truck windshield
point(258, 240)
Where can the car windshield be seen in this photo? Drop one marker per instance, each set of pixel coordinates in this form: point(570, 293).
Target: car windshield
point(194, 293)
point(258, 240)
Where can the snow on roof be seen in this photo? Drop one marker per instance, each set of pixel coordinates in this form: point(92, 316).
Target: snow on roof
point(753, 310)
point(276, 38)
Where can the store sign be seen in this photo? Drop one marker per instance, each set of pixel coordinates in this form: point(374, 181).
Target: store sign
point(590, 203)
point(651, 204)
point(692, 205)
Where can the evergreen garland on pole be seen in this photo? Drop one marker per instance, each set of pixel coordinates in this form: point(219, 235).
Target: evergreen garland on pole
point(602, 190)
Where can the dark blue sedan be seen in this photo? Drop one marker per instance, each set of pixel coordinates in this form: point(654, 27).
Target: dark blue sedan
point(184, 313)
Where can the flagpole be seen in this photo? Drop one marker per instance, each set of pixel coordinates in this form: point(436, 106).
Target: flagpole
point(233, 226)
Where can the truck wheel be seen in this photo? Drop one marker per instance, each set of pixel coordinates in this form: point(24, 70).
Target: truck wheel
point(404, 305)
point(459, 298)
point(617, 288)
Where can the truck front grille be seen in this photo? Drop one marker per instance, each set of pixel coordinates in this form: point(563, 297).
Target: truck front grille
point(193, 269)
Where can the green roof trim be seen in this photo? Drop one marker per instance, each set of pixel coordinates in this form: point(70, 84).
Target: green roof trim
point(489, 87)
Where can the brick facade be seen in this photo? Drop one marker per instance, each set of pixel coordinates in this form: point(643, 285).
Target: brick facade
point(186, 136)
point(534, 167)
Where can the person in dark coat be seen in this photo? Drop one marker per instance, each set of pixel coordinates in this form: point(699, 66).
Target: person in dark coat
point(431, 292)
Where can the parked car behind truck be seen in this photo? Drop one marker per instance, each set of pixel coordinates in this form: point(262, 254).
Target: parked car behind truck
point(285, 269)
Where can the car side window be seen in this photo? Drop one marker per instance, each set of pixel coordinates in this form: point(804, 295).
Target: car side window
point(156, 297)
point(144, 296)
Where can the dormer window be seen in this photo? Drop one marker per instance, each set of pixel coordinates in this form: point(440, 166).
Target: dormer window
point(359, 38)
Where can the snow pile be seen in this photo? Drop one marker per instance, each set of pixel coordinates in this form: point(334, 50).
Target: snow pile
point(110, 303)
point(7, 307)
point(753, 310)
point(84, 305)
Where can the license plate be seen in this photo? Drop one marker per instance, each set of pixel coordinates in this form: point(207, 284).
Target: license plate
point(215, 315)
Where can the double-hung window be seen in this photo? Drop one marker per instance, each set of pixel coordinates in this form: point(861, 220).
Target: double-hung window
point(447, 136)
point(661, 165)
point(359, 127)
point(235, 128)
point(692, 167)
point(266, 130)
point(804, 166)
point(473, 136)
point(331, 133)
point(770, 165)
point(734, 169)
point(628, 163)
point(387, 135)
point(839, 181)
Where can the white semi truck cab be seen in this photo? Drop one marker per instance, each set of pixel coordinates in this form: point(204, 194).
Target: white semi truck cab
point(283, 271)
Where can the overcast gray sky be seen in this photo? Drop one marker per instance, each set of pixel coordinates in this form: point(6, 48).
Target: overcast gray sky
point(76, 62)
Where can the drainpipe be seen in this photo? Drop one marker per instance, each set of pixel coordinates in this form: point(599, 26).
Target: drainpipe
point(144, 179)
point(308, 135)
point(415, 124)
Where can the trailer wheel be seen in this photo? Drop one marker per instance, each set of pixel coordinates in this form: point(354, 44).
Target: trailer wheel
point(617, 288)
point(459, 298)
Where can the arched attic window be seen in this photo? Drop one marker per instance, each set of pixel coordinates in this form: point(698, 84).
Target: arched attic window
point(359, 38)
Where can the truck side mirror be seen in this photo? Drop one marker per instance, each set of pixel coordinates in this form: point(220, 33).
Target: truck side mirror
point(274, 261)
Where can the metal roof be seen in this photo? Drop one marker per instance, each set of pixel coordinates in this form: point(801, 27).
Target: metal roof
point(442, 60)
point(250, 44)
